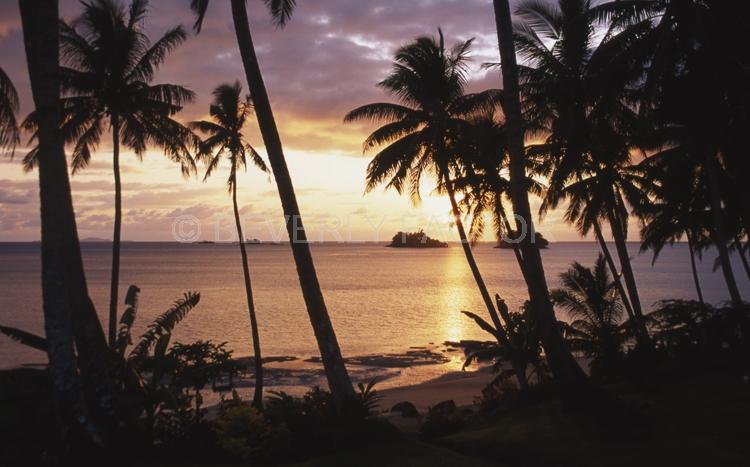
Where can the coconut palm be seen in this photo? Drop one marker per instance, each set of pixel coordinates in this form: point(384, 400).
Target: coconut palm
point(483, 182)
point(421, 132)
point(110, 65)
point(281, 11)
point(229, 113)
point(591, 301)
point(77, 349)
point(685, 49)
point(576, 389)
point(578, 92)
point(8, 109)
point(677, 208)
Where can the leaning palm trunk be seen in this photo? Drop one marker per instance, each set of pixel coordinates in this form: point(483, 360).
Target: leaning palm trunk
point(720, 229)
point(697, 282)
point(639, 325)
point(258, 394)
point(627, 273)
point(115, 273)
point(338, 378)
point(519, 367)
point(68, 312)
point(743, 258)
point(575, 387)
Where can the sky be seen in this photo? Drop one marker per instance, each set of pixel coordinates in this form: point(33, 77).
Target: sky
point(326, 62)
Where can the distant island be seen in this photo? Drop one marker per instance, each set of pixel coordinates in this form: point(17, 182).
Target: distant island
point(415, 240)
point(542, 242)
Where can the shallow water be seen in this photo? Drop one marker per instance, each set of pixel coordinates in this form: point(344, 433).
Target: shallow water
point(380, 299)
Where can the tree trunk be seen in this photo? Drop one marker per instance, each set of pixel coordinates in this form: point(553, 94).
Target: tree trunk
point(258, 395)
point(338, 378)
point(576, 389)
point(743, 258)
point(516, 249)
point(503, 337)
point(615, 274)
point(618, 234)
point(115, 273)
point(64, 294)
point(720, 229)
point(696, 281)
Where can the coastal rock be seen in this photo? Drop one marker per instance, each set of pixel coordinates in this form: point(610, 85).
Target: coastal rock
point(443, 408)
point(406, 408)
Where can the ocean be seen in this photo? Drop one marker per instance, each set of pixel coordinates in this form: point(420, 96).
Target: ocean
point(380, 299)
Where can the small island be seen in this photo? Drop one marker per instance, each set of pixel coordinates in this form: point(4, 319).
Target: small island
point(415, 240)
point(542, 242)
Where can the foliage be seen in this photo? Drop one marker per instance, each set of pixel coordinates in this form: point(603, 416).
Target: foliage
point(8, 108)
point(694, 333)
point(591, 300)
point(369, 397)
point(245, 435)
point(109, 64)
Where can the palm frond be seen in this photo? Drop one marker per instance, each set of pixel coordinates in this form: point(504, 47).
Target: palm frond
point(164, 324)
point(25, 338)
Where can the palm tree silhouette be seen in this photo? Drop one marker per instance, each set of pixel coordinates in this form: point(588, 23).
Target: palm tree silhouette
point(420, 133)
point(77, 350)
point(281, 11)
point(575, 388)
point(683, 49)
point(229, 113)
point(591, 300)
point(576, 91)
point(483, 181)
point(8, 108)
point(111, 63)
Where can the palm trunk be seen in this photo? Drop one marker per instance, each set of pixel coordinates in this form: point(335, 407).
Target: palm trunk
point(576, 388)
point(338, 378)
point(720, 229)
point(743, 258)
point(519, 368)
point(115, 273)
point(639, 325)
point(627, 272)
point(64, 293)
point(508, 228)
point(258, 395)
point(696, 281)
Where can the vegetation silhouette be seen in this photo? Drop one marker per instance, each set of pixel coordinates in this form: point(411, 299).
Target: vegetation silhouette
point(333, 362)
point(109, 65)
point(415, 240)
point(229, 113)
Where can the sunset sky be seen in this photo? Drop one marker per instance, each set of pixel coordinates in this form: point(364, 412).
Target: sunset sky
point(323, 64)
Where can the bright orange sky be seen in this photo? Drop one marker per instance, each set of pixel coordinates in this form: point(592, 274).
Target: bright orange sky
point(325, 63)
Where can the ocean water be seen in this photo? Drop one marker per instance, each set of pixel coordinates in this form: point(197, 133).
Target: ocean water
point(380, 299)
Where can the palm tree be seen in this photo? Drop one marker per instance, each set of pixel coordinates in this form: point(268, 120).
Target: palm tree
point(677, 207)
point(8, 109)
point(110, 64)
point(229, 113)
point(421, 132)
point(281, 10)
point(591, 300)
point(602, 193)
point(70, 321)
point(579, 92)
point(575, 388)
point(685, 48)
point(483, 182)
